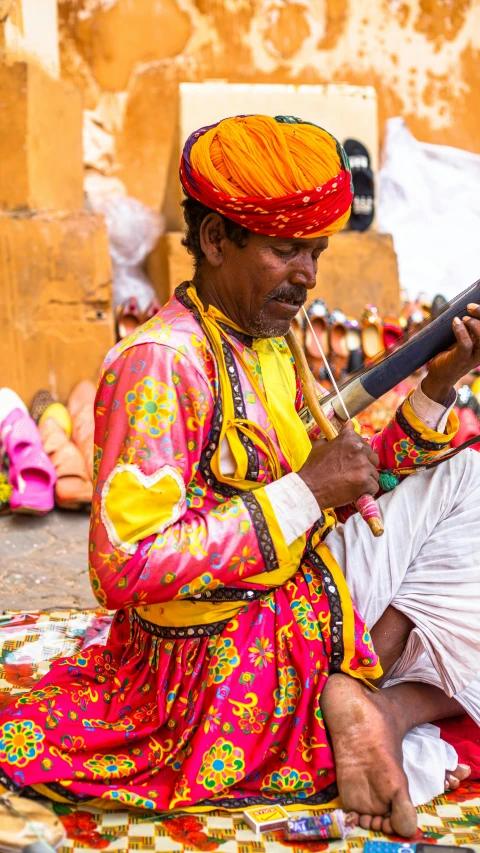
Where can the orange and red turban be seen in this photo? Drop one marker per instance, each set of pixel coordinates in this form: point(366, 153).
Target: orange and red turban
point(278, 176)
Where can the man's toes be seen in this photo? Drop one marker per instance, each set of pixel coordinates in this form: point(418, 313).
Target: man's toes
point(386, 826)
point(366, 821)
point(377, 822)
point(461, 773)
point(403, 818)
point(451, 782)
point(352, 818)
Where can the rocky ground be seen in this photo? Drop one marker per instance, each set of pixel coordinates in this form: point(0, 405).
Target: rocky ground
point(43, 562)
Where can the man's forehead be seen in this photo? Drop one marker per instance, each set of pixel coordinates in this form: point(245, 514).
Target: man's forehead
point(308, 242)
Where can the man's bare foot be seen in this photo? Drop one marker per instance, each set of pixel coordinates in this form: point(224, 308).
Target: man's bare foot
point(367, 745)
point(453, 778)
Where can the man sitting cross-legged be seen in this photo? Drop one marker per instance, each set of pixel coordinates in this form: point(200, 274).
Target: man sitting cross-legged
point(238, 669)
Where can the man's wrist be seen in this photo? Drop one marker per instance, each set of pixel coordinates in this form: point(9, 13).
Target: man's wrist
point(435, 391)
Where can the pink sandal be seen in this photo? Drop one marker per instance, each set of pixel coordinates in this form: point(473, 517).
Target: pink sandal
point(31, 474)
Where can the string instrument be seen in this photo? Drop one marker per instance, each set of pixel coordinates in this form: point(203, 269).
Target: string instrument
point(365, 505)
point(383, 372)
point(378, 376)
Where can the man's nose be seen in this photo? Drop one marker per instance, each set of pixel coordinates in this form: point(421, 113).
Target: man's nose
point(304, 272)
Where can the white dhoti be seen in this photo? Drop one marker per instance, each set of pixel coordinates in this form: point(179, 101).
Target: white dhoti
point(427, 565)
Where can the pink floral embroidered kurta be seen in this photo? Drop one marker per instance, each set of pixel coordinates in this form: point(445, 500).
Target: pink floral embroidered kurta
point(208, 690)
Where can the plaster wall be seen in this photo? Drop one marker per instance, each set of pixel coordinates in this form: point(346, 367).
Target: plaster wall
point(128, 56)
point(29, 33)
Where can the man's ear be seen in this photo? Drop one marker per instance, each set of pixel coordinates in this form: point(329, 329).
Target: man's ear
point(212, 239)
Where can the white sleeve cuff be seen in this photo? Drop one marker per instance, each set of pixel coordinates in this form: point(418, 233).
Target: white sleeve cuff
point(294, 506)
point(432, 414)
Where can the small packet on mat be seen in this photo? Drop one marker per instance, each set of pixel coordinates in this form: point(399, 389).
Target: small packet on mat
point(265, 818)
point(378, 846)
point(327, 825)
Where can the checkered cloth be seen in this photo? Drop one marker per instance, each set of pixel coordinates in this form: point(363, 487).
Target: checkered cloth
point(30, 641)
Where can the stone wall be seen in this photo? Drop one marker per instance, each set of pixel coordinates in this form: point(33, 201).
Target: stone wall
point(128, 57)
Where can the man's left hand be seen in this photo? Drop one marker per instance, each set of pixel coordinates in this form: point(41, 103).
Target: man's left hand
point(447, 368)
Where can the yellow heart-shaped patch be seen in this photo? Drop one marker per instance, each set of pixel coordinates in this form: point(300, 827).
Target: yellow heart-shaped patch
point(136, 505)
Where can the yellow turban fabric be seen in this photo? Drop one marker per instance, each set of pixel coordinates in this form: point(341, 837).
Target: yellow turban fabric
point(279, 176)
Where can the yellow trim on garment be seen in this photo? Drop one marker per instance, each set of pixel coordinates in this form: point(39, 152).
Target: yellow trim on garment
point(365, 674)
point(289, 556)
point(45, 791)
point(430, 434)
point(115, 805)
point(277, 396)
point(183, 614)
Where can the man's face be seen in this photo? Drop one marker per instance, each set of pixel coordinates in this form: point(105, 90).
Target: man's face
point(262, 287)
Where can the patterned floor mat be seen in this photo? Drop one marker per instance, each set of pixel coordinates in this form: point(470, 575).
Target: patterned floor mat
point(29, 641)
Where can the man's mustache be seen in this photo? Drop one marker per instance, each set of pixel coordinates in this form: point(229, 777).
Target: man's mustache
point(290, 294)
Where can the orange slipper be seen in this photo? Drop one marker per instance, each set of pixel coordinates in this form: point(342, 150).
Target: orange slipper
point(372, 332)
point(82, 394)
point(318, 315)
point(82, 434)
point(73, 489)
point(80, 407)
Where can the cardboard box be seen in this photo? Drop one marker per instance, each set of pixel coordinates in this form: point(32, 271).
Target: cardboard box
point(40, 141)
point(56, 322)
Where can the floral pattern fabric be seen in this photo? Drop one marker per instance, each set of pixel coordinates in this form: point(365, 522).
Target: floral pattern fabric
point(208, 691)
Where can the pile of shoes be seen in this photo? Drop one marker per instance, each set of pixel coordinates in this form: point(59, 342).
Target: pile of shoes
point(349, 342)
point(26, 468)
point(46, 456)
point(346, 341)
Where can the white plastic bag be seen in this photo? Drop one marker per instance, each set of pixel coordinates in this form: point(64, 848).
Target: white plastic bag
point(133, 231)
point(429, 200)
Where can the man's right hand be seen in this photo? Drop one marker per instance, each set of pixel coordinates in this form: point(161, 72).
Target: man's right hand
point(339, 472)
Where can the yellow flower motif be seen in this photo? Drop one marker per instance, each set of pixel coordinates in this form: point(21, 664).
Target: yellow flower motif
point(110, 766)
point(97, 587)
point(20, 742)
point(223, 765)
point(228, 509)
point(240, 562)
point(151, 407)
point(224, 659)
point(195, 403)
point(198, 585)
point(287, 780)
point(181, 791)
point(212, 719)
point(34, 696)
point(128, 798)
point(261, 652)
point(158, 330)
point(306, 619)
point(288, 691)
point(190, 538)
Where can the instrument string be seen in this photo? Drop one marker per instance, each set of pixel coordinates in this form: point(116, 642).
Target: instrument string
point(327, 366)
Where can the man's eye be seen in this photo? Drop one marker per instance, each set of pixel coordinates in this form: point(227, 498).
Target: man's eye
point(284, 252)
